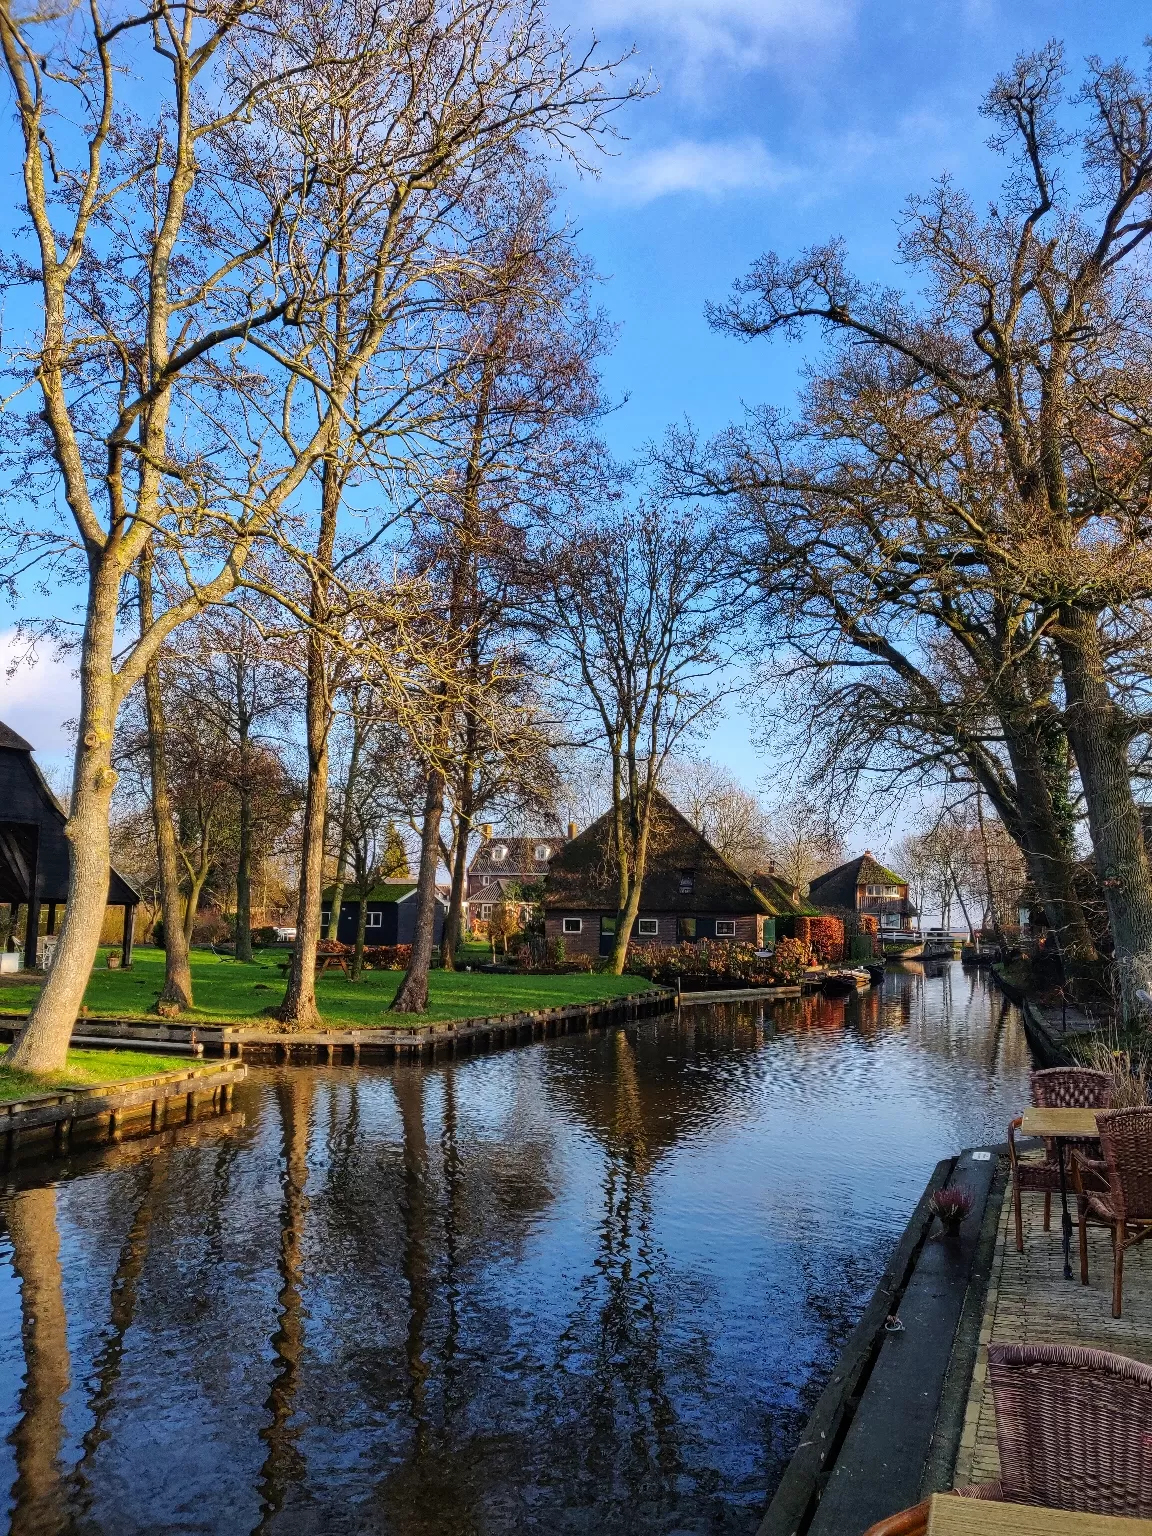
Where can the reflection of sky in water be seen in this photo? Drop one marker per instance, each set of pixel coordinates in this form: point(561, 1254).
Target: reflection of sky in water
point(591, 1285)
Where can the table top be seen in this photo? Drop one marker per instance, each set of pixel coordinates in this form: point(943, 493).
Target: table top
point(1059, 1122)
point(950, 1516)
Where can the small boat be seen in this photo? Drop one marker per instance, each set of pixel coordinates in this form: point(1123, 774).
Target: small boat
point(875, 970)
point(904, 951)
point(844, 982)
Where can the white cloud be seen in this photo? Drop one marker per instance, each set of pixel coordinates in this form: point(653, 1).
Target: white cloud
point(708, 168)
point(745, 33)
point(39, 697)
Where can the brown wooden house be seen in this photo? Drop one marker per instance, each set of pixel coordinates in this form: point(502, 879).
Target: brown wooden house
point(864, 886)
point(690, 891)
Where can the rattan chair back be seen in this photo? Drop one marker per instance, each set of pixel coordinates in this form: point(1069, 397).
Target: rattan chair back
point(1071, 1088)
point(1074, 1427)
point(1126, 1141)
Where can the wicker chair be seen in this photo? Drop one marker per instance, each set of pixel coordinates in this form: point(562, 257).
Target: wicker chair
point(1054, 1088)
point(1116, 1191)
point(1074, 1427)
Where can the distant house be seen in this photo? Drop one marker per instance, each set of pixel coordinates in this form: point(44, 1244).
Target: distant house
point(503, 863)
point(391, 916)
point(864, 886)
point(690, 891)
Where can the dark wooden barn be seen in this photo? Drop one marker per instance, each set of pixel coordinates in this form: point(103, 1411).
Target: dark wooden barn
point(34, 851)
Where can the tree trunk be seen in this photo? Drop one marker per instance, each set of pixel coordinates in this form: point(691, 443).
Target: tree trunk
point(299, 1005)
point(177, 988)
point(1047, 854)
point(454, 923)
point(361, 926)
point(43, 1043)
point(196, 880)
point(345, 835)
point(244, 877)
point(1099, 737)
point(413, 994)
point(634, 879)
point(244, 851)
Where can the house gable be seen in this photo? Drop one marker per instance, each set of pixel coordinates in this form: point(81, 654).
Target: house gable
point(685, 874)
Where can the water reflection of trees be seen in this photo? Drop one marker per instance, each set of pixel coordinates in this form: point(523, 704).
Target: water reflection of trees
point(38, 1493)
point(284, 1463)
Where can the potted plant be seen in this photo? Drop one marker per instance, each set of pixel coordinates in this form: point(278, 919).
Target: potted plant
point(951, 1206)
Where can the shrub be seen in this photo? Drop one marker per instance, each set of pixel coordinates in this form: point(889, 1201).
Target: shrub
point(158, 933)
point(790, 959)
point(211, 929)
point(263, 938)
point(826, 936)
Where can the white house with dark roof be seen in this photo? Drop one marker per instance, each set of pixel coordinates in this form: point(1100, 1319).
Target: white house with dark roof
point(503, 862)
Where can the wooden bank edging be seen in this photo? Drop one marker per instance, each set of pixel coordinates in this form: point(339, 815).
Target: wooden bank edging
point(65, 1108)
point(877, 1387)
point(387, 1043)
point(380, 1042)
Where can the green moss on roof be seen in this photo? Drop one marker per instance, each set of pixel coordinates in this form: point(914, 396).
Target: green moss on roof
point(377, 893)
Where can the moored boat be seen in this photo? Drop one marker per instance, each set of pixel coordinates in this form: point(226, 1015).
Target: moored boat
point(843, 982)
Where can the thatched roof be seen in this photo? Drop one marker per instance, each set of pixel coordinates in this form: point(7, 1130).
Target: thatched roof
point(582, 876)
point(837, 888)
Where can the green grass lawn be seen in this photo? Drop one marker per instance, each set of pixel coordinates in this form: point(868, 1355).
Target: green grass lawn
point(226, 990)
point(84, 1069)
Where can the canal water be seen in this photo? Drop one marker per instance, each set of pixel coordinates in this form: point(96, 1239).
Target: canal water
point(588, 1285)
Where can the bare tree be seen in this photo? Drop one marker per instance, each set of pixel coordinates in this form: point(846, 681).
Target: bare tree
point(729, 816)
point(803, 841)
point(185, 287)
point(1034, 328)
point(643, 618)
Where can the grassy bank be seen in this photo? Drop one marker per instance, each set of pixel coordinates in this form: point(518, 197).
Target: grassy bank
point(228, 991)
point(85, 1069)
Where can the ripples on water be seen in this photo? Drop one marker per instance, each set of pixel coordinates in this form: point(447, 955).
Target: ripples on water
point(591, 1285)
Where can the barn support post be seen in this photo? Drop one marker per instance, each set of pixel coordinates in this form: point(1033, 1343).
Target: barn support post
point(129, 934)
point(32, 930)
point(52, 905)
point(13, 923)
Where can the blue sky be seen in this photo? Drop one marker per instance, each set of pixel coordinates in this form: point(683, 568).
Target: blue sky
point(778, 123)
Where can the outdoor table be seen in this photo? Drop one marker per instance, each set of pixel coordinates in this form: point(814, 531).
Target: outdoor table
point(324, 961)
point(1061, 1125)
point(950, 1516)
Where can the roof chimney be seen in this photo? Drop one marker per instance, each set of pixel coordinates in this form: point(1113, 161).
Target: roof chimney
point(486, 830)
point(573, 830)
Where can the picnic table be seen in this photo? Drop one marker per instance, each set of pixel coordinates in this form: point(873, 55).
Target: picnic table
point(1061, 1125)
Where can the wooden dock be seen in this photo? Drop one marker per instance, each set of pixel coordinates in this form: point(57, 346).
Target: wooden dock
point(738, 995)
point(103, 1109)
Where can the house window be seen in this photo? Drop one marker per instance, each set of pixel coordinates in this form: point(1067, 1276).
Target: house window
point(485, 879)
point(374, 920)
point(647, 927)
point(687, 881)
point(499, 853)
point(486, 911)
point(573, 924)
point(890, 920)
point(325, 915)
point(607, 925)
point(685, 927)
point(543, 853)
point(725, 927)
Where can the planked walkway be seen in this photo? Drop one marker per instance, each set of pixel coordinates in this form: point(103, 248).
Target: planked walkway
point(1029, 1301)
